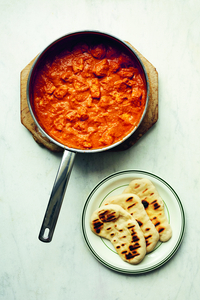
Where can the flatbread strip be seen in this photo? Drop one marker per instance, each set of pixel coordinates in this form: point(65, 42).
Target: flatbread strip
point(153, 204)
point(117, 225)
point(133, 205)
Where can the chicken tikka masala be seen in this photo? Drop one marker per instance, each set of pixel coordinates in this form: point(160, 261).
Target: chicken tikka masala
point(89, 97)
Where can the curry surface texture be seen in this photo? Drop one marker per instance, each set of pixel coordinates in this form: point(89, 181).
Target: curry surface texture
point(89, 97)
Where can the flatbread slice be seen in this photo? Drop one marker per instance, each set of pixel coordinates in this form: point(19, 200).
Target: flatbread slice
point(133, 205)
point(153, 204)
point(117, 225)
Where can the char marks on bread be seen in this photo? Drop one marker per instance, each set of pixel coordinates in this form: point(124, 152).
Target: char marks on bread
point(153, 205)
point(133, 205)
point(117, 225)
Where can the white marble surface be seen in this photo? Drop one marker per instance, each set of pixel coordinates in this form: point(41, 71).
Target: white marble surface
point(167, 34)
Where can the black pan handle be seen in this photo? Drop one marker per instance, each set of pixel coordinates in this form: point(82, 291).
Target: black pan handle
point(57, 196)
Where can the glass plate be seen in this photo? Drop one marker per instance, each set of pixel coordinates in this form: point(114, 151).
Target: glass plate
point(104, 251)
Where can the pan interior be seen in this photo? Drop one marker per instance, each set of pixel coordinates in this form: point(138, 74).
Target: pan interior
point(67, 43)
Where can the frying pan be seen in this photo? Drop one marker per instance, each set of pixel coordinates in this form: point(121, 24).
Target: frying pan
point(64, 171)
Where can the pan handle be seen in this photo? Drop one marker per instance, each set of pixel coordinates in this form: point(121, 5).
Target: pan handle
point(56, 198)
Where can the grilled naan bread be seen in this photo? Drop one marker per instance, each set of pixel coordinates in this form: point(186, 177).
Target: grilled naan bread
point(153, 204)
point(117, 225)
point(133, 205)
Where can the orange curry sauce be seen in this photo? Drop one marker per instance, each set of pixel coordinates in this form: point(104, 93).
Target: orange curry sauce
point(89, 97)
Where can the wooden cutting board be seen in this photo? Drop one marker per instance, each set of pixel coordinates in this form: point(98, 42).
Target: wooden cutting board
point(149, 120)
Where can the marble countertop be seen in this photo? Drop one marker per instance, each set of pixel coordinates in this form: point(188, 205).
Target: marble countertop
point(167, 34)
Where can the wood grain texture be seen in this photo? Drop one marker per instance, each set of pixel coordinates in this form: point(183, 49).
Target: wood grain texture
point(149, 120)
